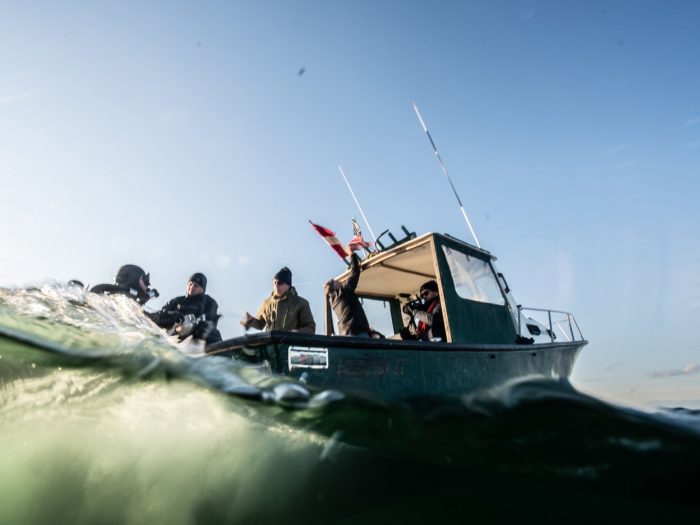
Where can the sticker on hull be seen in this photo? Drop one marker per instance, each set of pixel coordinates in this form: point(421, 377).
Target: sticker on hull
point(306, 357)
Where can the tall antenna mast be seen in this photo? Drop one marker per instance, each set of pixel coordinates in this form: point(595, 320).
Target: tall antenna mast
point(444, 170)
point(358, 203)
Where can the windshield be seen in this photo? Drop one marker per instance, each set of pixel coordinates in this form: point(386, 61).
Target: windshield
point(473, 278)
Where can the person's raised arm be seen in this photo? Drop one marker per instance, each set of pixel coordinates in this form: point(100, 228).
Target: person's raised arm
point(354, 278)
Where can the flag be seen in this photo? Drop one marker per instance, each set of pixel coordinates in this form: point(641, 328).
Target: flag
point(331, 240)
point(357, 241)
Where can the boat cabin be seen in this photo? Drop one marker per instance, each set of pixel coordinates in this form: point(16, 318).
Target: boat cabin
point(476, 302)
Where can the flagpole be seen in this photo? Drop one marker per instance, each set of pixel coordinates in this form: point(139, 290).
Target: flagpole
point(444, 170)
point(357, 203)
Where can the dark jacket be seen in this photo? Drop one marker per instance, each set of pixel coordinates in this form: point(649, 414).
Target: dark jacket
point(430, 321)
point(289, 312)
point(201, 306)
point(346, 305)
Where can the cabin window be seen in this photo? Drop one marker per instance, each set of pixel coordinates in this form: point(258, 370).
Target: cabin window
point(378, 312)
point(473, 278)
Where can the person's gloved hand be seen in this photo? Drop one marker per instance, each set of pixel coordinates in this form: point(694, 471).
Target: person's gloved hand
point(407, 309)
point(202, 329)
point(172, 318)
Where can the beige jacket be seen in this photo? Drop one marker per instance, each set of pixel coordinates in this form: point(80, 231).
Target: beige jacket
point(289, 312)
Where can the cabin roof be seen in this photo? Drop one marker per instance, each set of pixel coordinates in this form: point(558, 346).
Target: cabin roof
point(404, 267)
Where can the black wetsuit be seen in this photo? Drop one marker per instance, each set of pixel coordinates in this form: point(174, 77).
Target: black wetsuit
point(128, 281)
point(346, 305)
point(201, 306)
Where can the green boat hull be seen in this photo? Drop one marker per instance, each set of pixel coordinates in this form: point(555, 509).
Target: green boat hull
point(394, 369)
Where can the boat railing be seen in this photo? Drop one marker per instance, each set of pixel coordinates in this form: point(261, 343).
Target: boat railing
point(559, 322)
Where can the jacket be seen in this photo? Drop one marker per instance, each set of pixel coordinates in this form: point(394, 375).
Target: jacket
point(289, 312)
point(201, 306)
point(430, 322)
point(346, 305)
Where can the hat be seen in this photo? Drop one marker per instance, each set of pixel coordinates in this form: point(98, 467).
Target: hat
point(284, 276)
point(129, 275)
point(430, 285)
point(200, 279)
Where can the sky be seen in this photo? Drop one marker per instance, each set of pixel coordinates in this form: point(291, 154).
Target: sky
point(191, 136)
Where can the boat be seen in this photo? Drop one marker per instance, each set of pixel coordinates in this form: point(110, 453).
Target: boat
point(491, 339)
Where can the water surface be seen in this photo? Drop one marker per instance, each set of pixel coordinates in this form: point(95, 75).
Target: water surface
point(103, 419)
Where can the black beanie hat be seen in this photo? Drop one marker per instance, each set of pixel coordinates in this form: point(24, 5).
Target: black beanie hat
point(284, 276)
point(430, 285)
point(200, 279)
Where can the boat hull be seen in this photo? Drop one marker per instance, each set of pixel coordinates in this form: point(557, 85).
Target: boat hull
point(389, 369)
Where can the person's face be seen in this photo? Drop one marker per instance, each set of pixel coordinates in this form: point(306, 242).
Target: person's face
point(143, 285)
point(428, 295)
point(194, 289)
point(280, 287)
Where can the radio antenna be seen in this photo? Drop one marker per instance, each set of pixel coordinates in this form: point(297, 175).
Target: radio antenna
point(340, 168)
point(444, 170)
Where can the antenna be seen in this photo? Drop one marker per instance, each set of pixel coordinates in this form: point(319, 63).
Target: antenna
point(357, 202)
point(444, 170)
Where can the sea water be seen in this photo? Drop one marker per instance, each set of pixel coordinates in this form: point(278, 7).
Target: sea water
point(104, 419)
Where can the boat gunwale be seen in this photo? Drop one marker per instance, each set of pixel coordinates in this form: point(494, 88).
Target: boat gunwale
point(278, 337)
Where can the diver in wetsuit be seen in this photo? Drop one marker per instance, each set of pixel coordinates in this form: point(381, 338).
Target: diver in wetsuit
point(194, 313)
point(132, 281)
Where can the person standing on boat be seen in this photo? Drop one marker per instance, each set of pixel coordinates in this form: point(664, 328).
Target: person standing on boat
point(428, 323)
point(131, 281)
point(352, 320)
point(194, 313)
point(284, 309)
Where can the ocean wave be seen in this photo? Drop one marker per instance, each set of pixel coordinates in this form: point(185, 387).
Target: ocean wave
point(104, 418)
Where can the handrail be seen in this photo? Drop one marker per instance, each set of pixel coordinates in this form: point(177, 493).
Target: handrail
point(569, 320)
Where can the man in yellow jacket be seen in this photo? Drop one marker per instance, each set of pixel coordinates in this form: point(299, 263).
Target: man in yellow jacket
point(284, 309)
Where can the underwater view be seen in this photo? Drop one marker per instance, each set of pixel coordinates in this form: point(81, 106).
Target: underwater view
point(107, 420)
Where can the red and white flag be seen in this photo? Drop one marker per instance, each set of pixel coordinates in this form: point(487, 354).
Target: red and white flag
point(357, 242)
point(331, 240)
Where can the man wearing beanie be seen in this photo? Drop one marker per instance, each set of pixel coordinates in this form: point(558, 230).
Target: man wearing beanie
point(284, 309)
point(428, 323)
point(194, 313)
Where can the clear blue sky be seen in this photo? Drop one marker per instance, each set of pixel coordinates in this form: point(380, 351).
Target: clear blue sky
point(179, 136)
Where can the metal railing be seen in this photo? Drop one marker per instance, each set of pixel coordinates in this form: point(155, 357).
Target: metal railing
point(565, 326)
